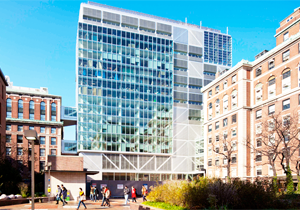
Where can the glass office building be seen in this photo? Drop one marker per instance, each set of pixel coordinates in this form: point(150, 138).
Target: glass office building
point(139, 103)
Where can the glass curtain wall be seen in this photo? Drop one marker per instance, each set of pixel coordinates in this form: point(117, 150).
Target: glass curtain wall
point(125, 100)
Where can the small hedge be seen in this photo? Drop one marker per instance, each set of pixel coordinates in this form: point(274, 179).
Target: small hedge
point(214, 193)
point(162, 205)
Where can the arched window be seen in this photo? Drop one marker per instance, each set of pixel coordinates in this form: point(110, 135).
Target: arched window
point(225, 103)
point(217, 107)
point(20, 109)
point(258, 92)
point(234, 99)
point(31, 110)
point(43, 111)
point(271, 87)
point(210, 111)
point(286, 80)
point(8, 108)
point(53, 111)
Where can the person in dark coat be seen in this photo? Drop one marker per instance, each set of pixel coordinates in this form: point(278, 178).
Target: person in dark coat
point(58, 194)
point(64, 194)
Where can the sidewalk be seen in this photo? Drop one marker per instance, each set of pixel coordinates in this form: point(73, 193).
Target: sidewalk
point(114, 204)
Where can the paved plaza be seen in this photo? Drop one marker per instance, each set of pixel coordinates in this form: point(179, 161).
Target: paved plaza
point(115, 204)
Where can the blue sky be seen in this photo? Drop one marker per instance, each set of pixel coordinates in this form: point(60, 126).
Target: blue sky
point(37, 38)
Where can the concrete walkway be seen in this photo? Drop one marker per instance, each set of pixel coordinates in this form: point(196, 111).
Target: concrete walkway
point(115, 204)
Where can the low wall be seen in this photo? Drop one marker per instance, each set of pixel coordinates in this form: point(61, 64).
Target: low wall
point(13, 201)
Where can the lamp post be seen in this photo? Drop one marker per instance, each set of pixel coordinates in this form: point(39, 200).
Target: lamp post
point(31, 136)
point(49, 164)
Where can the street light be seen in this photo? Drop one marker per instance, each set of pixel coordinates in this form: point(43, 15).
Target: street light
point(31, 136)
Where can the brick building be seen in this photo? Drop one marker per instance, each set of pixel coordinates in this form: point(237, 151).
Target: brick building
point(3, 85)
point(240, 99)
point(32, 109)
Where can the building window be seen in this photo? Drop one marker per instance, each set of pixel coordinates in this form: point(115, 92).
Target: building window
point(20, 128)
point(271, 64)
point(225, 122)
point(225, 161)
point(233, 118)
point(209, 93)
point(209, 140)
point(234, 99)
point(285, 55)
point(217, 138)
point(31, 110)
point(225, 85)
point(42, 165)
point(53, 111)
point(217, 107)
point(210, 111)
point(43, 111)
point(225, 103)
point(53, 141)
point(233, 159)
point(53, 130)
point(19, 139)
point(258, 128)
point(233, 145)
point(217, 160)
point(19, 151)
point(271, 109)
point(286, 80)
point(286, 104)
point(258, 143)
point(225, 135)
point(258, 114)
point(42, 152)
point(258, 72)
point(8, 127)
point(8, 151)
point(258, 171)
point(233, 132)
point(8, 108)
point(258, 157)
point(233, 79)
point(42, 130)
point(209, 151)
point(217, 125)
point(209, 128)
point(258, 92)
point(271, 87)
point(8, 138)
point(225, 147)
point(31, 127)
point(42, 140)
point(20, 109)
point(286, 36)
point(209, 163)
point(217, 89)
point(53, 151)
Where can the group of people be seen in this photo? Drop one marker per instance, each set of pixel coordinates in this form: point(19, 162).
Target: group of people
point(61, 194)
point(106, 194)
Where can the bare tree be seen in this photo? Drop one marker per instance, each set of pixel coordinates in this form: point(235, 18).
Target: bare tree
point(225, 146)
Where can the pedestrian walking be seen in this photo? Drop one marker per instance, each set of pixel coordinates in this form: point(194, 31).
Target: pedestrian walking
point(82, 198)
point(96, 192)
point(64, 194)
point(126, 194)
point(103, 195)
point(58, 195)
point(133, 194)
point(107, 196)
point(91, 193)
point(62, 187)
point(144, 193)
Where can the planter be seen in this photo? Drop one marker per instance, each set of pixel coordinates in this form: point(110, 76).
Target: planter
point(13, 201)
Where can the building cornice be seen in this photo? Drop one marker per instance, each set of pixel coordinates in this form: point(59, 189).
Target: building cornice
point(30, 93)
point(283, 30)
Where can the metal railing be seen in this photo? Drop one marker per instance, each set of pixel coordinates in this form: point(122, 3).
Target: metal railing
point(153, 16)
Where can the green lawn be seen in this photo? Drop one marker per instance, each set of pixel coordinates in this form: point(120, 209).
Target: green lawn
point(162, 205)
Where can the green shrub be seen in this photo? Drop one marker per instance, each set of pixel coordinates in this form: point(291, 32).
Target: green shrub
point(23, 189)
point(289, 182)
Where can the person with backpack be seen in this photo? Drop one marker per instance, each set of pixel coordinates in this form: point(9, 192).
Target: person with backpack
point(82, 198)
point(144, 193)
point(103, 195)
point(64, 194)
point(96, 192)
point(62, 187)
point(58, 195)
point(107, 196)
point(126, 194)
point(133, 194)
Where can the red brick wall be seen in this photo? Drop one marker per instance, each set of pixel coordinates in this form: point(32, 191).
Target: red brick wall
point(66, 163)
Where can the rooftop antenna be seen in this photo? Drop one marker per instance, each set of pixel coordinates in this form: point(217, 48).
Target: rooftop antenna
point(200, 24)
point(227, 31)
